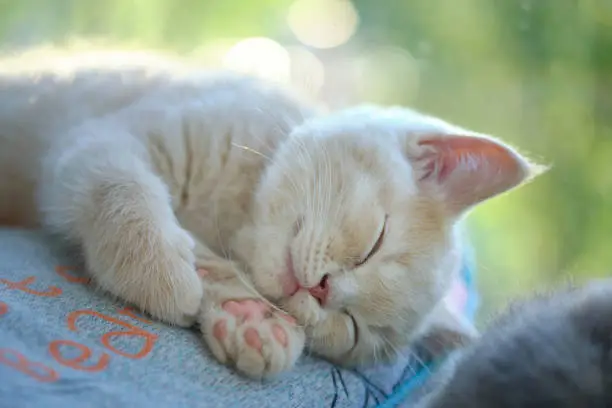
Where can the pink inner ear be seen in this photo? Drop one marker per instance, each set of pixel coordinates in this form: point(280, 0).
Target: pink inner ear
point(470, 169)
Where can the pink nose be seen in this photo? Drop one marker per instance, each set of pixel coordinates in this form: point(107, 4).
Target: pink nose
point(321, 291)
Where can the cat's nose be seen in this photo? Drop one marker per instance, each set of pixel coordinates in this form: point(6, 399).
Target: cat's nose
point(321, 291)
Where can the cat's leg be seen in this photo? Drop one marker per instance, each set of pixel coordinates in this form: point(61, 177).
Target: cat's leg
point(242, 329)
point(99, 192)
point(339, 337)
point(332, 334)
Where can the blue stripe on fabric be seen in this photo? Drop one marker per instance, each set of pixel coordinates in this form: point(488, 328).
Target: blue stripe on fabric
point(402, 392)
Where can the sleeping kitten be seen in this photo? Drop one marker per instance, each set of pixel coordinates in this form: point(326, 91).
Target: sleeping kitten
point(347, 222)
point(552, 351)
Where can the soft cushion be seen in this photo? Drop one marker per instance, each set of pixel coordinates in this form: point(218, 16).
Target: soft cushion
point(64, 344)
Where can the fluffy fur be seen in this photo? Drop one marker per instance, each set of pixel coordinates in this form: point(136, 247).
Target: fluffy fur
point(551, 351)
point(346, 221)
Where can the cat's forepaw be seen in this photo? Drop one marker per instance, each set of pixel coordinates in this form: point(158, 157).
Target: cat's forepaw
point(305, 309)
point(248, 334)
point(159, 277)
point(178, 289)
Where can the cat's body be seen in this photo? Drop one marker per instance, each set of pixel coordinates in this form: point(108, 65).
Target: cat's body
point(552, 351)
point(41, 106)
point(347, 221)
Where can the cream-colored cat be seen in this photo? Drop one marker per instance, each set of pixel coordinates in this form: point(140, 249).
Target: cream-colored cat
point(345, 221)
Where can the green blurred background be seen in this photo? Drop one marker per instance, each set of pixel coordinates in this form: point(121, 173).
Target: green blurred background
point(537, 73)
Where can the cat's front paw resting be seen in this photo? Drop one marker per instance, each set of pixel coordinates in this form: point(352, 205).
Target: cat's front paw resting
point(251, 336)
point(153, 271)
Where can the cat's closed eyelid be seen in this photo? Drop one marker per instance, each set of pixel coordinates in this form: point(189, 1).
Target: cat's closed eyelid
point(355, 329)
point(377, 245)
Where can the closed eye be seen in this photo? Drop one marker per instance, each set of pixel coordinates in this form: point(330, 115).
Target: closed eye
point(377, 244)
point(355, 328)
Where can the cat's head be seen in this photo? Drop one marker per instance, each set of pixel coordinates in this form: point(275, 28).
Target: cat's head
point(354, 226)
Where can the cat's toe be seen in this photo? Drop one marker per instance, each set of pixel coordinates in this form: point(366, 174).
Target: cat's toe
point(181, 283)
point(174, 298)
point(258, 341)
point(305, 308)
point(186, 305)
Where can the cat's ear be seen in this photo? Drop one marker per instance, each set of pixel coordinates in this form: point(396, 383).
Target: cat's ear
point(465, 170)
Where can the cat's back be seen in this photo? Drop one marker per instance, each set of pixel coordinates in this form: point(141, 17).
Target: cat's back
point(45, 92)
point(52, 89)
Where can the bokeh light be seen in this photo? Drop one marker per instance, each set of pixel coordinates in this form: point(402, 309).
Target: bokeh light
point(261, 57)
point(323, 23)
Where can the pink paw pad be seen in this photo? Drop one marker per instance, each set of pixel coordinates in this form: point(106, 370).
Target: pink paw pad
point(254, 311)
point(280, 335)
point(247, 309)
point(220, 330)
point(251, 337)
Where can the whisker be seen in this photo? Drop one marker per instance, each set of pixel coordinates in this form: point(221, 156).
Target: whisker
point(393, 348)
point(251, 150)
